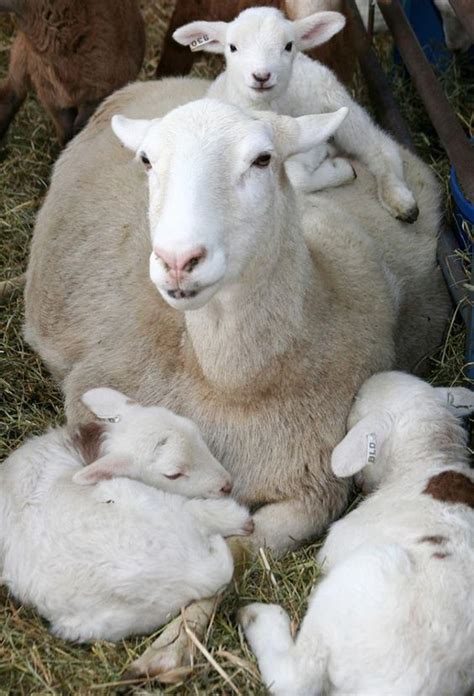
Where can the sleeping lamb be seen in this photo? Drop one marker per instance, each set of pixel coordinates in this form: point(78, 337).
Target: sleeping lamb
point(395, 613)
point(123, 556)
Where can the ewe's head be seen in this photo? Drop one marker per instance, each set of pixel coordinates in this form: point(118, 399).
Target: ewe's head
point(219, 197)
point(260, 46)
point(153, 445)
point(389, 404)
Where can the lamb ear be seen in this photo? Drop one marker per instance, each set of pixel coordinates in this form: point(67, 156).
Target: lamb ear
point(107, 467)
point(203, 36)
point(317, 29)
point(459, 400)
point(131, 131)
point(361, 444)
point(294, 135)
point(107, 404)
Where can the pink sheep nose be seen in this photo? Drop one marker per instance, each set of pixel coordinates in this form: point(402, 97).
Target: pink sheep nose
point(261, 77)
point(176, 265)
point(226, 489)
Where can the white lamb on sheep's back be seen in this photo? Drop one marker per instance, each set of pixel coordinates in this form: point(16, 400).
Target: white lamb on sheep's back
point(265, 69)
point(394, 615)
point(125, 550)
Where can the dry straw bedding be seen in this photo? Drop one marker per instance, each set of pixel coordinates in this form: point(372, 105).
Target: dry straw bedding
point(31, 660)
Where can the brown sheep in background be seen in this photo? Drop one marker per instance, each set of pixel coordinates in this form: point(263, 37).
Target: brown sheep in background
point(74, 53)
point(337, 54)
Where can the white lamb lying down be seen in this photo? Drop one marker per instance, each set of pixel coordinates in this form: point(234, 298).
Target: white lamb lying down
point(265, 69)
point(395, 614)
point(120, 557)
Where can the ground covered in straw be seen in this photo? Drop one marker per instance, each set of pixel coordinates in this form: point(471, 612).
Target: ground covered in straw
point(31, 660)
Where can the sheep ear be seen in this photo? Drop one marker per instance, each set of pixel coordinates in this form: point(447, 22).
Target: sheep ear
point(131, 131)
point(294, 135)
point(107, 404)
point(317, 29)
point(107, 467)
point(459, 400)
point(361, 444)
point(203, 36)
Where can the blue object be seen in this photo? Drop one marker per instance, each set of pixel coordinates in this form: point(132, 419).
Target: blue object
point(463, 214)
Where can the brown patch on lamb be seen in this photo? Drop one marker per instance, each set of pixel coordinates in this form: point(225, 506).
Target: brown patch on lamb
point(451, 487)
point(88, 439)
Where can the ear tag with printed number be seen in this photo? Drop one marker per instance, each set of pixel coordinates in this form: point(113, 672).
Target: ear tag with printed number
point(198, 43)
point(371, 448)
point(109, 419)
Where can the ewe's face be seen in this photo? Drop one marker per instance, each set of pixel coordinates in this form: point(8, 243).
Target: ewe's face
point(259, 57)
point(212, 179)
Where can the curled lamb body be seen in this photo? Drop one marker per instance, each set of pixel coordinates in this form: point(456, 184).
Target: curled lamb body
point(265, 69)
point(124, 555)
point(74, 53)
point(394, 612)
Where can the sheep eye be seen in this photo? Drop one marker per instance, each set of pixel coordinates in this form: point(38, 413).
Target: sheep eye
point(289, 46)
point(232, 48)
point(145, 160)
point(262, 160)
point(173, 477)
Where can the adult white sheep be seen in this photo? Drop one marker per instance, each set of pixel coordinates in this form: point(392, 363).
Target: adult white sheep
point(119, 557)
point(265, 69)
point(395, 613)
point(295, 307)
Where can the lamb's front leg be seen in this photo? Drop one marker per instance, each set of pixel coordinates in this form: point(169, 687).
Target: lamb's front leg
point(268, 631)
point(359, 136)
point(222, 516)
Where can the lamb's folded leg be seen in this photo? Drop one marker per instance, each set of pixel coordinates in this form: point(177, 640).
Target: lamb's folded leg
point(359, 136)
point(332, 172)
point(173, 648)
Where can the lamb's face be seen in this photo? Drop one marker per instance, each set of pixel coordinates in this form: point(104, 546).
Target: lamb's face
point(153, 445)
point(218, 193)
point(259, 52)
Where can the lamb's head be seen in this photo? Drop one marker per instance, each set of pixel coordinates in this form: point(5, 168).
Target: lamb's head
point(259, 47)
point(218, 194)
point(153, 445)
point(389, 409)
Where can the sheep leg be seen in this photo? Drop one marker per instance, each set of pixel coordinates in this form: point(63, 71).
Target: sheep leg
point(14, 88)
point(332, 172)
point(359, 136)
point(286, 666)
point(173, 648)
point(284, 526)
point(84, 112)
point(63, 119)
point(225, 517)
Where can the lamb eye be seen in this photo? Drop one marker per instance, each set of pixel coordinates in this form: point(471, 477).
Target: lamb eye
point(173, 477)
point(289, 46)
point(262, 160)
point(232, 48)
point(145, 160)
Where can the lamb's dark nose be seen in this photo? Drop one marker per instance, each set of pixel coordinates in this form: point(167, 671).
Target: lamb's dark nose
point(261, 77)
point(226, 489)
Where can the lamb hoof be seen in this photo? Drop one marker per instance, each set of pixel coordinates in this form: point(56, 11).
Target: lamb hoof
point(248, 527)
point(166, 658)
point(410, 216)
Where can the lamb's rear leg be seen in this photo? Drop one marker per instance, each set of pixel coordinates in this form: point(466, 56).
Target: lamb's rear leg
point(14, 88)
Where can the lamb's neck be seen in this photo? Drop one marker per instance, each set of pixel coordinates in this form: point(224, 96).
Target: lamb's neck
point(238, 335)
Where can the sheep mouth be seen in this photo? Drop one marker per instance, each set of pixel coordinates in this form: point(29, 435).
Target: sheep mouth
point(261, 88)
point(179, 294)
